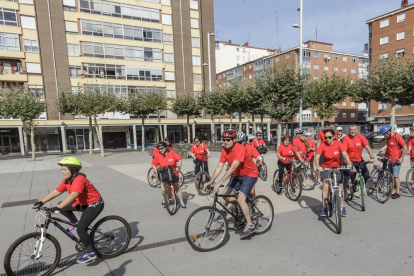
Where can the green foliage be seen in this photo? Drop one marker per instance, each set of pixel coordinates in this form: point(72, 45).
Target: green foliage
point(214, 102)
point(142, 104)
point(186, 105)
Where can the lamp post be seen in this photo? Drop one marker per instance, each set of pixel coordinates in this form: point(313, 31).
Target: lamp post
point(300, 27)
point(209, 60)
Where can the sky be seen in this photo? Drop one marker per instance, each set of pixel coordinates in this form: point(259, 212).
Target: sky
point(340, 22)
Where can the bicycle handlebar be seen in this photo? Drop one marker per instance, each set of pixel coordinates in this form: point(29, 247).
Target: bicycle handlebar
point(385, 157)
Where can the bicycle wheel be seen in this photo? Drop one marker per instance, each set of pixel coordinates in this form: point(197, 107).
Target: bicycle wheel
point(329, 205)
point(206, 229)
point(309, 178)
point(152, 179)
point(262, 213)
point(294, 188)
point(200, 179)
point(111, 236)
point(20, 257)
point(372, 181)
point(263, 172)
point(275, 183)
point(337, 210)
point(385, 186)
point(181, 179)
point(410, 181)
point(171, 200)
point(361, 186)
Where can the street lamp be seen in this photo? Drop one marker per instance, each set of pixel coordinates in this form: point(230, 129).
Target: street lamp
point(300, 27)
point(209, 59)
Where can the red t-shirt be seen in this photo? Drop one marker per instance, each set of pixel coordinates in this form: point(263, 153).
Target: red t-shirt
point(199, 151)
point(411, 144)
point(286, 152)
point(321, 136)
point(394, 150)
point(256, 143)
point(156, 151)
point(301, 146)
point(353, 146)
point(169, 159)
point(331, 154)
point(252, 151)
point(88, 194)
point(312, 146)
point(240, 153)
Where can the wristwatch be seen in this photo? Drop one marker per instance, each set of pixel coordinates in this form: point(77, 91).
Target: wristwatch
point(372, 157)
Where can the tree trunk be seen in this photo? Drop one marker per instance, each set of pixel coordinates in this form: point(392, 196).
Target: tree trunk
point(279, 133)
point(142, 133)
point(213, 130)
point(392, 116)
point(231, 121)
point(98, 134)
point(261, 124)
point(240, 121)
point(26, 141)
point(292, 131)
point(188, 130)
point(90, 136)
point(32, 136)
point(254, 125)
point(160, 126)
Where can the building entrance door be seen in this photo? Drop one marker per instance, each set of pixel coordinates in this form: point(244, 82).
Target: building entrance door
point(5, 144)
point(80, 139)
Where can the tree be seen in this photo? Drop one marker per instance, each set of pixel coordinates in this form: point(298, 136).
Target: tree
point(19, 103)
point(237, 99)
point(160, 107)
point(213, 103)
point(255, 103)
point(187, 105)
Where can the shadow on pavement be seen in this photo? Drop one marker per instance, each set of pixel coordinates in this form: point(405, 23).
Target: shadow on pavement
point(187, 196)
point(120, 270)
point(307, 202)
point(317, 209)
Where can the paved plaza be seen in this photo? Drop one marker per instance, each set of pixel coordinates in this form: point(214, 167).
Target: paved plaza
point(379, 241)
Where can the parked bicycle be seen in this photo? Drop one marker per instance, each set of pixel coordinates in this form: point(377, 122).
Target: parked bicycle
point(290, 182)
point(39, 252)
point(357, 184)
point(207, 227)
point(154, 182)
point(410, 176)
point(381, 180)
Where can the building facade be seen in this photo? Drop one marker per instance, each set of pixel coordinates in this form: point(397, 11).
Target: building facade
point(392, 34)
point(126, 46)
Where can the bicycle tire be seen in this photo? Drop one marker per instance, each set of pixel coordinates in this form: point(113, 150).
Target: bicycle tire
point(291, 188)
point(410, 178)
point(191, 236)
point(337, 210)
point(181, 178)
point(259, 201)
point(275, 183)
point(112, 234)
point(170, 204)
point(329, 205)
point(263, 172)
point(50, 268)
point(152, 181)
point(199, 180)
point(372, 182)
point(310, 180)
point(362, 190)
point(387, 188)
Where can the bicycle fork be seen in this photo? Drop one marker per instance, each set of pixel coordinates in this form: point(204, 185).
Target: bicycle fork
point(39, 245)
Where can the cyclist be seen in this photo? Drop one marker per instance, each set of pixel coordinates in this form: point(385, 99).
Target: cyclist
point(410, 145)
point(321, 139)
point(331, 150)
point(83, 197)
point(310, 151)
point(258, 142)
point(167, 158)
point(340, 133)
point(395, 143)
point(166, 140)
point(198, 151)
point(245, 172)
point(284, 152)
point(300, 143)
point(353, 143)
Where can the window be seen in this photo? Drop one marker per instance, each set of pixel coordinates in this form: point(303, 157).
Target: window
point(73, 49)
point(170, 94)
point(344, 59)
point(385, 23)
point(166, 19)
point(383, 40)
point(343, 103)
point(352, 115)
point(343, 115)
point(316, 55)
point(107, 71)
point(194, 23)
point(168, 57)
point(384, 56)
point(144, 74)
point(166, 2)
point(33, 68)
point(344, 70)
point(237, 49)
point(31, 46)
point(400, 35)
point(353, 60)
point(8, 17)
point(195, 42)
point(75, 71)
point(9, 42)
point(352, 104)
point(167, 38)
point(288, 56)
point(72, 27)
point(326, 68)
point(69, 5)
point(277, 59)
point(315, 67)
point(353, 71)
point(250, 77)
point(197, 78)
point(194, 4)
point(37, 90)
point(30, 2)
point(399, 53)
point(250, 66)
point(196, 61)
point(335, 58)
point(335, 69)
point(382, 106)
point(401, 18)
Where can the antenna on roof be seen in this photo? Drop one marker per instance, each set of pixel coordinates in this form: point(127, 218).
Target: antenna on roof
point(277, 28)
point(316, 28)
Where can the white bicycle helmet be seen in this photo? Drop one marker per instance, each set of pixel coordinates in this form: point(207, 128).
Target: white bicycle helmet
point(241, 137)
point(299, 131)
point(400, 131)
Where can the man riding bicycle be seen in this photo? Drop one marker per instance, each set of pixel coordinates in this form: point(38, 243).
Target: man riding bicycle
point(300, 143)
point(245, 174)
point(199, 152)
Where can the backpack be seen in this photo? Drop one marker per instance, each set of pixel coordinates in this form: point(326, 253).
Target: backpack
point(166, 174)
point(398, 145)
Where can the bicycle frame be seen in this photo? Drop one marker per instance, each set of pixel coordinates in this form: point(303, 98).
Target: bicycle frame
point(358, 171)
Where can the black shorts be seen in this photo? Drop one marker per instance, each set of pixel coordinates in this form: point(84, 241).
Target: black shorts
point(326, 175)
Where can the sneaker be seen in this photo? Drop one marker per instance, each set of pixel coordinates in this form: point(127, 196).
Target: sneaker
point(183, 206)
point(87, 257)
point(324, 213)
point(343, 213)
point(248, 230)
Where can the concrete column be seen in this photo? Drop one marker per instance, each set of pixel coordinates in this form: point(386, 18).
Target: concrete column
point(100, 133)
point(268, 132)
point(64, 145)
point(194, 132)
point(21, 140)
point(247, 129)
point(222, 128)
point(134, 133)
point(165, 131)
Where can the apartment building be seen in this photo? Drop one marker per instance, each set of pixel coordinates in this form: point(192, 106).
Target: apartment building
point(392, 34)
point(229, 54)
point(318, 59)
point(127, 46)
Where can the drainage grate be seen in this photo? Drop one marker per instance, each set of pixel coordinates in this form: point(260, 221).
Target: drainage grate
point(133, 249)
point(18, 203)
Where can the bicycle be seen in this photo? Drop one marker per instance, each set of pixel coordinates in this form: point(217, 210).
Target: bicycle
point(308, 176)
point(154, 182)
point(357, 184)
point(262, 168)
point(290, 181)
point(206, 228)
point(382, 180)
point(201, 178)
point(410, 176)
point(40, 252)
point(171, 199)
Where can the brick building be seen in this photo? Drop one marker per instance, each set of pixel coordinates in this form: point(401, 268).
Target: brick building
point(392, 34)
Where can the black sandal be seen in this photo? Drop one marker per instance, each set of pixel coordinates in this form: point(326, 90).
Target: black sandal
point(395, 196)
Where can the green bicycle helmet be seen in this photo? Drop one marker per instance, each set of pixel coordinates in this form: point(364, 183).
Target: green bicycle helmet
point(71, 162)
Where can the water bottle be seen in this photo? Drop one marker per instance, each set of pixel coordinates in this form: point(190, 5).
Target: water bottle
point(73, 231)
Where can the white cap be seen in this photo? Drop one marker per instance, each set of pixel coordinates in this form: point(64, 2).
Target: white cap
point(308, 134)
point(339, 128)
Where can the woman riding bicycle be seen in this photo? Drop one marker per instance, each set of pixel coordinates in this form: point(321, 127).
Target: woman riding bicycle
point(330, 150)
point(285, 154)
point(83, 197)
point(199, 152)
point(168, 158)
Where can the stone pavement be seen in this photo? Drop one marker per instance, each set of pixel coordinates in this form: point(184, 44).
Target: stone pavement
point(379, 241)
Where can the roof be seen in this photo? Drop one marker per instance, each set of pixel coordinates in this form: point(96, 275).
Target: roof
point(245, 45)
point(314, 41)
point(389, 14)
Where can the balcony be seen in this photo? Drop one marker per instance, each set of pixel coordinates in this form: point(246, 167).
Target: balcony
point(11, 71)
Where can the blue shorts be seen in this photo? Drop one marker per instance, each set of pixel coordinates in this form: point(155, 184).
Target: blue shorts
point(242, 185)
point(394, 169)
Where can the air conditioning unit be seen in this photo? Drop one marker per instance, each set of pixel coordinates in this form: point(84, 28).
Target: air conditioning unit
point(412, 105)
point(327, 59)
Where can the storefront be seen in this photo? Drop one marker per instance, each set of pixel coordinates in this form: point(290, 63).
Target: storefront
point(115, 137)
point(47, 139)
point(175, 133)
point(77, 139)
point(9, 140)
point(203, 131)
point(151, 133)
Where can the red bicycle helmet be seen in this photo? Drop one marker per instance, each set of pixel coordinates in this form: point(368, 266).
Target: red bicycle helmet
point(229, 133)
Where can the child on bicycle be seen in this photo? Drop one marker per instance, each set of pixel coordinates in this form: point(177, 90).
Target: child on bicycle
point(83, 197)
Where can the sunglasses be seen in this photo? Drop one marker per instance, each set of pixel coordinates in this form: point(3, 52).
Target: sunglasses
point(161, 148)
point(328, 137)
point(227, 140)
point(197, 141)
